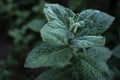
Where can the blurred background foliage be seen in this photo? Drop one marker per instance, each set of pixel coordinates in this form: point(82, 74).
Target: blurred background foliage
point(20, 22)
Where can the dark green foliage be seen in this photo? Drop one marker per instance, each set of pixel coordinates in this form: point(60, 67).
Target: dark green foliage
point(64, 37)
point(23, 19)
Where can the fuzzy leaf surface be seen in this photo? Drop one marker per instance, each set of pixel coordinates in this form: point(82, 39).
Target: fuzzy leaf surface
point(58, 12)
point(89, 69)
point(45, 55)
point(100, 53)
point(55, 33)
point(95, 22)
point(89, 41)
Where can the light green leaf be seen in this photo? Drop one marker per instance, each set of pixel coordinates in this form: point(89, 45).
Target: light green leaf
point(100, 53)
point(36, 25)
point(55, 33)
point(116, 51)
point(97, 22)
point(58, 12)
point(89, 41)
point(45, 55)
point(56, 74)
point(89, 69)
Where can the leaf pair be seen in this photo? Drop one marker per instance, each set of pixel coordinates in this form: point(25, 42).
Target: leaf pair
point(89, 66)
point(89, 23)
point(56, 32)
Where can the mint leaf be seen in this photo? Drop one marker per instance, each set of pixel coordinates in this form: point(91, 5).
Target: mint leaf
point(56, 74)
point(55, 33)
point(58, 12)
point(89, 41)
point(36, 25)
point(89, 69)
point(97, 22)
point(100, 53)
point(45, 55)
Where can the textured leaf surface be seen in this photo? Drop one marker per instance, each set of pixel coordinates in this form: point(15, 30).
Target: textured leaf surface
point(56, 74)
point(45, 55)
point(55, 33)
point(100, 53)
point(89, 41)
point(58, 12)
point(92, 70)
point(95, 22)
point(36, 25)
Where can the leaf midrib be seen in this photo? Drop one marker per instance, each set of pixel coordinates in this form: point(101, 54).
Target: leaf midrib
point(99, 70)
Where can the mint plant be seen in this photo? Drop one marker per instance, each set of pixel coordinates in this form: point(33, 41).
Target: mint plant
point(72, 45)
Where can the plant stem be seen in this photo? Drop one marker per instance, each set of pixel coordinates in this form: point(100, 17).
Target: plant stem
point(75, 29)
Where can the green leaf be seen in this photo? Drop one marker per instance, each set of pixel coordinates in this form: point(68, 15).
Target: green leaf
point(56, 74)
point(89, 41)
point(100, 53)
point(45, 55)
point(36, 25)
point(97, 22)
point(17, 34)
point(58, 12)
point(116, 51)
point(89, 69)
point(55, 33)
